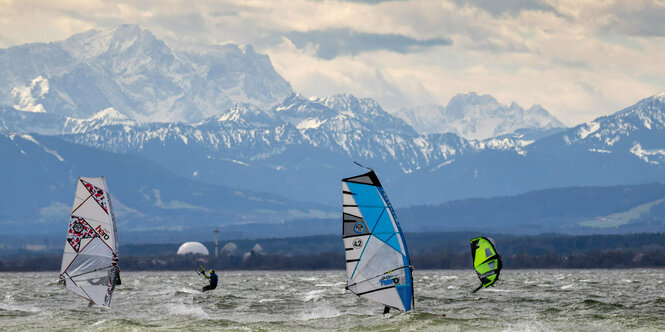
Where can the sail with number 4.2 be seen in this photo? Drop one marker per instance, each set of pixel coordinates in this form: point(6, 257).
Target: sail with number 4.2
point(90, 259)
point(377, 261)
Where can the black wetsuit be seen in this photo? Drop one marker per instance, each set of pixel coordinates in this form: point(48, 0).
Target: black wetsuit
point(213, 282)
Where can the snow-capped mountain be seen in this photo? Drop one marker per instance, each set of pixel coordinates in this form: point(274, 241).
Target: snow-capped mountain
point(128, 69)
point(477, 117)
point(308, 144)
point(624, 148)
point(639, 129)
point(220, 115)
point(338, 123)
point(299, 144)
point(107, 117)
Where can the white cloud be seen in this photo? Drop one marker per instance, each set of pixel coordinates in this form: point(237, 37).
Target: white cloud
point(578, 59)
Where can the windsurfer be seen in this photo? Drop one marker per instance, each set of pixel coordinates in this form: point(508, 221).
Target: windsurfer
point(115, 272)
point(212, 278)
point(115, 276)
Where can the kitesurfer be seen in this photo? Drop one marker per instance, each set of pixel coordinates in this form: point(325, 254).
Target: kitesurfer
point(212, 278)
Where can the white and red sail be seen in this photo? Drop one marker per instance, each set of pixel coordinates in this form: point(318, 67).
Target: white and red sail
point(89, 262)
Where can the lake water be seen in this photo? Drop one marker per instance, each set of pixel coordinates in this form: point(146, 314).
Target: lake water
point(524, 300)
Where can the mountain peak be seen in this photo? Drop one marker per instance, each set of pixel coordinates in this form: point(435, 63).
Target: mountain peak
point(109, 114)
point(659, 96)
point(94, 43)
point(475, 116)
point(130, 69)
point(106, 117)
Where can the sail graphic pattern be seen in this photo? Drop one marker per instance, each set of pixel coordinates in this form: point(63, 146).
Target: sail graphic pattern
point(97, 194)
point(79, 229)
point(486, 261)
point(377, 260)
point(90, 258)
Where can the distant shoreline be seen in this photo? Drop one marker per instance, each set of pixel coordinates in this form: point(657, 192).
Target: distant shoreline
point(613, 259)
point(428, 251)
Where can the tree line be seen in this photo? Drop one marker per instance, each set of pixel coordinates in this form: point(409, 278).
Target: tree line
point(606, 259)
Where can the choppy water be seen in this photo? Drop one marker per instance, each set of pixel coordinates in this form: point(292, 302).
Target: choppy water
point(527, 300)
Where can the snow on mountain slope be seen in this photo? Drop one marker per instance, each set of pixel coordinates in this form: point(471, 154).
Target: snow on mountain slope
point(107, 117)
point(477, 117)
point(638, 129)
point(129, 69)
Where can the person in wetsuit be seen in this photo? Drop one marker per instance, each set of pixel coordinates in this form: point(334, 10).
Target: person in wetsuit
point(212, 278)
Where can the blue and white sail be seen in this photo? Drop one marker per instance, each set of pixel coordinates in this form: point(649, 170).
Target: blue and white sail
point(377, 261)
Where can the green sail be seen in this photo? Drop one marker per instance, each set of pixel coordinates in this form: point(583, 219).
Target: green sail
point(486, 261)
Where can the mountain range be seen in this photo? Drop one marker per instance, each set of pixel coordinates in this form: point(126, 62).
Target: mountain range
point(219, 122)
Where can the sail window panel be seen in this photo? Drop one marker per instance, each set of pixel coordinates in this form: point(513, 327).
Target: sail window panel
point(86, 263)
point(97, 293)
point(482, 268)
point(365, 286)
point(377, 259)
point(487, 266)
point(94, 278)
point(78, 290)
point(386, 292)
point(67, 258)
point(388, 297)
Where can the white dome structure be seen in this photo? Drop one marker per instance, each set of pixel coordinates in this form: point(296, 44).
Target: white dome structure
point(193, 248)
point(229, 249)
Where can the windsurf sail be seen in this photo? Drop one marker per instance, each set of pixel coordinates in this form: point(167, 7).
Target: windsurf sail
point(377, 261)
point(90, 259)
point(486, 261)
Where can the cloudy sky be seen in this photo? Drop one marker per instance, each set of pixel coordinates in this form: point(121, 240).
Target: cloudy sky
point(579, 59)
